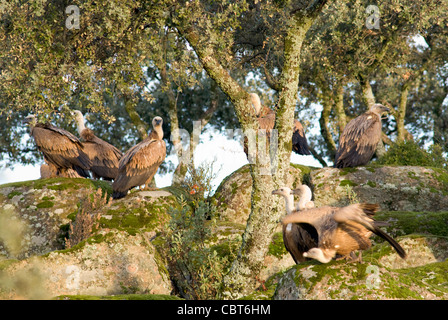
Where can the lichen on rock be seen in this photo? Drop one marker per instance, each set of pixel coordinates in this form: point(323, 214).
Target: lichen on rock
point(393, 188)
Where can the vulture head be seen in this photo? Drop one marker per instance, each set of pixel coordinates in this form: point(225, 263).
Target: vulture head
point(256, 103)
point(31, 120)
point(305, 195)
point(283, 191)
point(78, 116)
point(318, 254)
point(157, 126)
point(157, 122)
point(379, 109)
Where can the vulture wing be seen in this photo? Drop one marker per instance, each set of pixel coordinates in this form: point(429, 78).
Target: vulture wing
point(362, 213)
point(138, 165)
point(299, 142)
point(299, 238)
point(104, 156)
point(315, 221)
point(61, 148)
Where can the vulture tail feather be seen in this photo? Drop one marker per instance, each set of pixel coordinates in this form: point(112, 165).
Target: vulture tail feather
point(392, 242)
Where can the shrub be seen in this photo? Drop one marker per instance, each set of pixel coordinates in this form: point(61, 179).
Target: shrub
point(195, 268)
point(199, 180)
point(409, 153)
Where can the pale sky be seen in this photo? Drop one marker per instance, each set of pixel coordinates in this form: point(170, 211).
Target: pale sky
point(227, 155)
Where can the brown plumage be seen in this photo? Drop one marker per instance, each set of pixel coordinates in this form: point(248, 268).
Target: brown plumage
point(360, 138)
point(299, 142)
point(341, 230)
point(140, 163)
point(103, 155)
point(61, 149)
point(266, 121)
point(297, 238)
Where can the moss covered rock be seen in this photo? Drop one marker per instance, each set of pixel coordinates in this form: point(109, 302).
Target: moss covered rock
point(118, 258)
point(42, 208)
point(109, 263)
point(382, 275)
point(234, 193)
point(393, 188)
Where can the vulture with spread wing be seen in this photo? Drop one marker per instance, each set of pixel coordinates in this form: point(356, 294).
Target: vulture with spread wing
point(341, 231)
point(297, 238)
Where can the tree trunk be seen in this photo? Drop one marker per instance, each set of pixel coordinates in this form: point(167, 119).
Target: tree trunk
point(182, 166)
point(142, 127)
point(339, 107)
point(367, 93)
point(402, 113)
point(265, 209)
point(324, 123)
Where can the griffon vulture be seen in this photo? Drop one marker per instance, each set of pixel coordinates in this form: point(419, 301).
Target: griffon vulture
point(340, 231)
point(140, 163)
point(61, 149)
point(266, 121)
point(297, 238)
point(360, 138)
point(104, 156)
point(305, 196)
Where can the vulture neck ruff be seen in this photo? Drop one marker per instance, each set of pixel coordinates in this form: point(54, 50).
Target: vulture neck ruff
point(79, 122)
point(289, 203)
point(158, 129)
point(256, 103)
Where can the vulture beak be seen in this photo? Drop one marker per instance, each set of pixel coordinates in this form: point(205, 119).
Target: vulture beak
point(27, 119)
point(276, 192)
point(158, 121)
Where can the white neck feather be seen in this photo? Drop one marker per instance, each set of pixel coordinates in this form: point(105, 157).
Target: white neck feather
point(80, 125)
point(289, 203)
point(159, 131)
point(305, 198)
point(256, 102)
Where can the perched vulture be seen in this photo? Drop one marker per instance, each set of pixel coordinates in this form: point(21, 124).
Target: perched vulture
point(266, 121)
point(360, 138)
point(299, 142)
point(297, 238)
point(104, 156)
point(340, 231)
point(140, 163)
point(305, 196)
point(61, 149)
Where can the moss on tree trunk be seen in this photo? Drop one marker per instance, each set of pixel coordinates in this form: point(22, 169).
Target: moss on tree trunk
point(265, 209)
